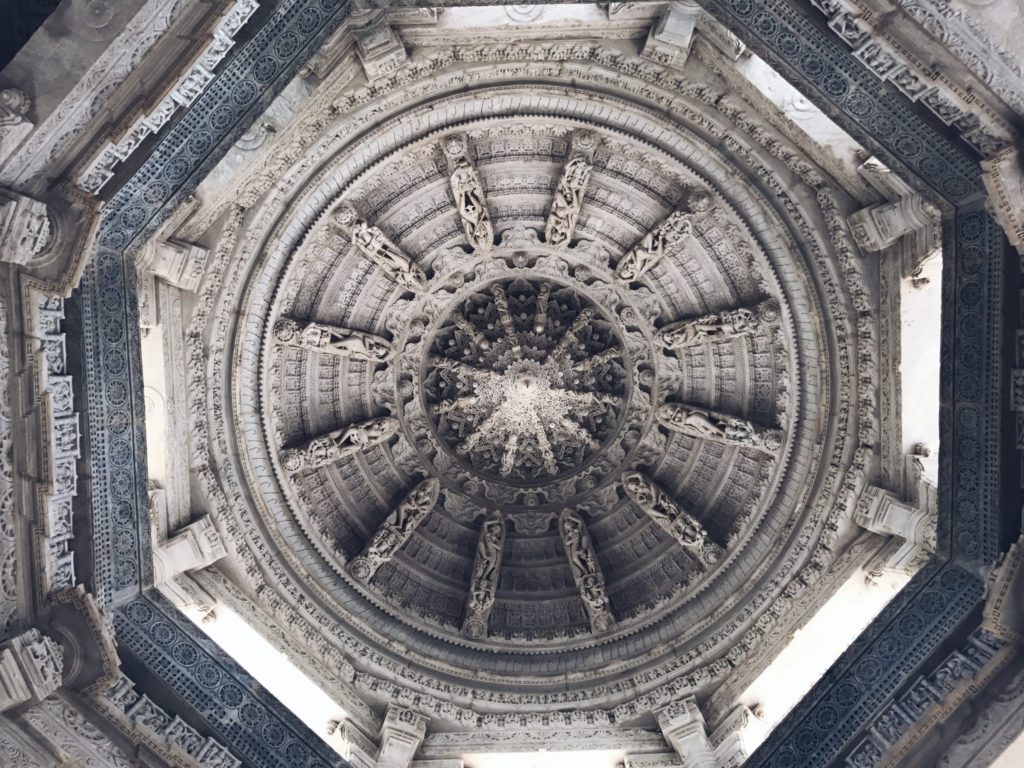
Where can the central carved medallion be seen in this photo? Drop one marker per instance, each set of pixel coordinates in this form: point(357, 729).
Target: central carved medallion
point(525, 381)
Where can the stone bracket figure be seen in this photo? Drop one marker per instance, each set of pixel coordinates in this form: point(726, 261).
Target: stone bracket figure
point(469, 194)
point(373, 244)
point(677, 226)
point(664, 511)
point(586, 570)
point(719, 325)
point(568, 199)
point(328, 448)
point(332, 339)
point(396, 529)
point(484, 580)
point(723, 428)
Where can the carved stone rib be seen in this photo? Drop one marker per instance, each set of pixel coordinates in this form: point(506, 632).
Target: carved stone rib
point(677, 226)
point(664, 511)
point(484, 581)
point(332, 339)
point(396, 529)
point(375, 245)
point(719, 325)
point(568, 199)
point(469, 194)
point(572, 335)
point(586, 570)
point(713, 425)
point(335, 445)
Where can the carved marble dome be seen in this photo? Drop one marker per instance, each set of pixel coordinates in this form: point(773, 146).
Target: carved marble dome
point(536, 393)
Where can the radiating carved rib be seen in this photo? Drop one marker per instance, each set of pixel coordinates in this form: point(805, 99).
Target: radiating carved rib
point(664, 511)
point(586, 570)
point(469, 194)
point(332, 339)
point(713, 425)
point(543, 444)
point(578, 432)
point(396, 529)
point(456, 404)
point(643, 256)
point(373, 244)
point(335, 445)
point(568, 199)
point(572, 335)
point(540, 319)
point(484, 581)
point(720, 325)
point(504, 314)
point(470, 374)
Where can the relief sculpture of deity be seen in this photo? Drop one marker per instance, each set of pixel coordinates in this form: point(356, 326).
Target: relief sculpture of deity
point(719, 325)
point(332, 446)
point(332, 339)
point(664, 511)
point(373, 244)
point(484, 581)
point(586, 571)
point(469, 195)
point(396, 529)
point(712, 425)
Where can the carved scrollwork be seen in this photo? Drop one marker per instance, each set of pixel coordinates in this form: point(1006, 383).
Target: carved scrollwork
point(486, 569)
point(712, 425)
point(586, 570)
point(664, 511)
point(335, 445)
point(396, 529)
point(376, 246)
point(332, 339)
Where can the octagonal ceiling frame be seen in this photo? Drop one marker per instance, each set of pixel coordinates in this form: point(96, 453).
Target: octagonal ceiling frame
point(813, 58)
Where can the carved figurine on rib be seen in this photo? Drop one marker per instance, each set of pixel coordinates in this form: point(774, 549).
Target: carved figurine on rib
point(568, 199)
point(469, 194)
point(586, 570)
point(712, 425)
point(720, 325)
point(643, 256)
point(661, 508)
point(396, 529)
point(373, 244)
point(484, 582)
point(332, 339)
point(335, 445)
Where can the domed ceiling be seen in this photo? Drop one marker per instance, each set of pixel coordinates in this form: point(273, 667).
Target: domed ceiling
point(530, 381)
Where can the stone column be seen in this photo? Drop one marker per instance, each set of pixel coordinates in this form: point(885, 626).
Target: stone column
point(400, 737)
point(684, 729)
point(31, 668)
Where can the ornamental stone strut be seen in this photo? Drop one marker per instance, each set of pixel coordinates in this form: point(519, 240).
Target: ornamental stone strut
point(332, 339)
point(396, 529)
point(486, 569)
point(335, 445)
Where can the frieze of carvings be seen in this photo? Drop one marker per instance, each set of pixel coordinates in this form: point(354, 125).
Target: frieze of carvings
point(486, 569)
point(97, 173)
point(586, 570)
point(396, 529)
point(332, 339)
point(719, 325)
point(335, 445)
point(31, 668)
point(373, 244)
point(141, 719)
point(874, 45)
point(673, 519)
point(651, 249)
point(8, 548)
point(568, 198)
point(469, 193)
point(701, 422)
point(66, 732)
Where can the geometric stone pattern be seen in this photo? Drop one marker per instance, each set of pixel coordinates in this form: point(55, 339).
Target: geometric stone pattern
point(968, 425)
